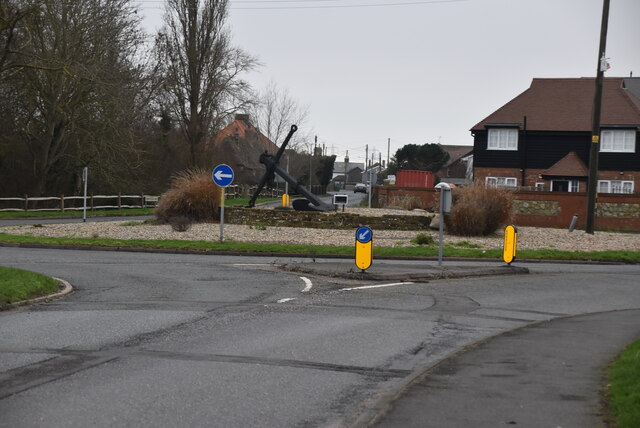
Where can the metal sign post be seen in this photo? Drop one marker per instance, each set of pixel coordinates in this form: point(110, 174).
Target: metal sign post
point(445, 207)
point(85, 177)
point(364, 248)
point(223, 176)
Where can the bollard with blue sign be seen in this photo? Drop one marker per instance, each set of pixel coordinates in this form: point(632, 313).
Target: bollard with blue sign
point(364, 248)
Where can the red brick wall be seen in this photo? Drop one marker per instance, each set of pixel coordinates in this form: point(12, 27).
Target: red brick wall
point(566, 205)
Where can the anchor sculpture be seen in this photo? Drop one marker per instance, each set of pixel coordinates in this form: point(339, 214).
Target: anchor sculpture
point(311, 203)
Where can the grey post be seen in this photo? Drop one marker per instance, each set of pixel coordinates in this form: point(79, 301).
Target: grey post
point(445, 207)
point(85, 177)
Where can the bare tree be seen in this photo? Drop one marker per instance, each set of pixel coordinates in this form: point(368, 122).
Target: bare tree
point(76, 101)
point(203, 87)
point(274, 113)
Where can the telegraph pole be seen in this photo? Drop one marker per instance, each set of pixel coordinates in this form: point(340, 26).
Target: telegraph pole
point(388, 150)
point(595, 130)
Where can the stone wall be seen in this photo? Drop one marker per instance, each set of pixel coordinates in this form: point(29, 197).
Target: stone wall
point(317, 220)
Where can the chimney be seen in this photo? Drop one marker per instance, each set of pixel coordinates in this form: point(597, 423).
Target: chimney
point(242, 117)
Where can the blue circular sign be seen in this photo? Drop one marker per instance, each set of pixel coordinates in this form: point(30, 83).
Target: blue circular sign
point(222, 175)
point(364, 234)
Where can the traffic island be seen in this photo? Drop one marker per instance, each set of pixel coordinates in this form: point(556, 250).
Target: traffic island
point(389, 271)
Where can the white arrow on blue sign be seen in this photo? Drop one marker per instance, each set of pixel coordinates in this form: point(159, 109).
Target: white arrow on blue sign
point(364, 234)
point(222, 175)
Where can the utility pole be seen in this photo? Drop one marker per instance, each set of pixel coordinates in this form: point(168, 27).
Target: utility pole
point(595, 130)
point(388, 150)
point(366, 157)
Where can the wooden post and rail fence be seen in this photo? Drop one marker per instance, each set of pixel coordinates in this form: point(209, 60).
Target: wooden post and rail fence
point(106, 202)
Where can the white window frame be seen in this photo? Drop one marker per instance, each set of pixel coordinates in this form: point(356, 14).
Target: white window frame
point(502, 139)
point(574, 185)
point(540, 186)
point(501, 182)
point(618, 141)
point(615, 186)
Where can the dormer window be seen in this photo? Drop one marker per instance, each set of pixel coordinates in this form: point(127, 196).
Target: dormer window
point(502, 139)
point(618, 140)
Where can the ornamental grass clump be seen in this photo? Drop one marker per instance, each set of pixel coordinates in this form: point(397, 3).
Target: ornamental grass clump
point(479, 210)
point(193, 195)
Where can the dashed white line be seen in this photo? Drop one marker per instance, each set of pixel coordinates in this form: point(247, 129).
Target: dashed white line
point(308, 285)
point(288, 299)
point(365, 287)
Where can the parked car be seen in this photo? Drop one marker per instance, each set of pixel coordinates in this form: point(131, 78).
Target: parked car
point(360, 187)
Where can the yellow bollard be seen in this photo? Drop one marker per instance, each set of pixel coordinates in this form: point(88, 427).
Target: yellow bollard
point(286, 200)
point(510, 244)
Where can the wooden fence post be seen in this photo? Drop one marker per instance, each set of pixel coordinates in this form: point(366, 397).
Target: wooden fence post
point(141, 200)
point(62, 203)
point(119, 200)
point(26, 202)
point(91, 202)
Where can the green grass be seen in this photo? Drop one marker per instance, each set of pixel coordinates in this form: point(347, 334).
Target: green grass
point(624, 389)
point(18, 284)
point(318, 250)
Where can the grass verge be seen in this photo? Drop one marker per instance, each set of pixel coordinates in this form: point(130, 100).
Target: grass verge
point(18, 284)
point(624, 388)
point(319, 250)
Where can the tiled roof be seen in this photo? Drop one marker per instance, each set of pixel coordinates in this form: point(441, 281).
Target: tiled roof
point(566, 105)
point(239, 128)
point(569, 166)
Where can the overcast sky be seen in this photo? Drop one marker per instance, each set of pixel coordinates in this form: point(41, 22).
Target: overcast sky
point(419, 73)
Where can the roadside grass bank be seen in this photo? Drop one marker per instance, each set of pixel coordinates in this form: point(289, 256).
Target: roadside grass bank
point(323, 250)
point(18, 284)
point(624, 388)
point(111, 213)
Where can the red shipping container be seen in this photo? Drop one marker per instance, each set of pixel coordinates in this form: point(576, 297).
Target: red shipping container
point(411, 178)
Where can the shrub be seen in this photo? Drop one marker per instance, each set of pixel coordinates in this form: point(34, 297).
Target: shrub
point(479, 210)
point(192, 195)
point(423, 239)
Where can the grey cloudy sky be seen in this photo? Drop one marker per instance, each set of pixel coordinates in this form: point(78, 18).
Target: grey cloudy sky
point(419, 73)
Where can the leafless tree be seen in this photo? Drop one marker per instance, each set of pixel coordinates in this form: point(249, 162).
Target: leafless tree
point(202, 70)
point(274, 113)
point(77, 100)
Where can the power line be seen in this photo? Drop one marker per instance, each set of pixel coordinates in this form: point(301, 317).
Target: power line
point(336, 6)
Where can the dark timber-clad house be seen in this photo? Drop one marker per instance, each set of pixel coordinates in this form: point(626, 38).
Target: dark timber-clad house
point(541, 138)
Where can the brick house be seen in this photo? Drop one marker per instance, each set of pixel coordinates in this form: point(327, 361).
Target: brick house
point(541, 138)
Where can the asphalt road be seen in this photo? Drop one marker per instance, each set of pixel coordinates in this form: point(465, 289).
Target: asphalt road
point(168, 340)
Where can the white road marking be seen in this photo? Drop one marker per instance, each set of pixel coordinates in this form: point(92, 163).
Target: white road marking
point(365, 287)
point(308, 283)
point(288, 299)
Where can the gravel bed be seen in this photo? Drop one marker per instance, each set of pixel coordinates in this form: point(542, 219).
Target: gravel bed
point(528, 237)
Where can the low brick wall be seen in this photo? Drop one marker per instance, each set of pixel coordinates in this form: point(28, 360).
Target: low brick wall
point(252, 216)
point(541, 209)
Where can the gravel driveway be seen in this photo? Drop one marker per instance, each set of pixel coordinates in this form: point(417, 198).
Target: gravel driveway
point(528, 237)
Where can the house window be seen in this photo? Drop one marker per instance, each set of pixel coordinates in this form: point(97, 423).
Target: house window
point(540, 186)
point(503, 139)
point(618, 140)
point(501, 181)
point(615, 186)
point(565, 186)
